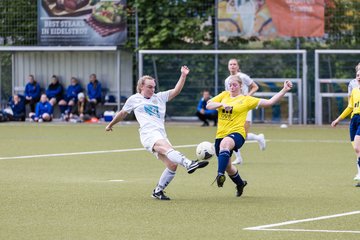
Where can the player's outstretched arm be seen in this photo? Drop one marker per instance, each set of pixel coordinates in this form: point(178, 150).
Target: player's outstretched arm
point(277, 97)
point(118, 117)
point(180, 84)
point(342, 116)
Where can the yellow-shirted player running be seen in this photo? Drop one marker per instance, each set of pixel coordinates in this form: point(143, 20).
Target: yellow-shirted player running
point(353, 108)
point(232, 108)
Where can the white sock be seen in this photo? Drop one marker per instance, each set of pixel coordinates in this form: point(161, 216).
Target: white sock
point(358, 167)
point(252, 136)
point(165, 179)
point(177, 157)
point(238, 155)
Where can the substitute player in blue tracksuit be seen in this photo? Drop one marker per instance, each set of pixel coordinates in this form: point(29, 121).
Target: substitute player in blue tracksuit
point(70, 98)
point(94, 92)
point(32, 92)
point(55, 90)
point(44, 110)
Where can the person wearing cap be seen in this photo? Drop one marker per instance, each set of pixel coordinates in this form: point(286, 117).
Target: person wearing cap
point(82, 109)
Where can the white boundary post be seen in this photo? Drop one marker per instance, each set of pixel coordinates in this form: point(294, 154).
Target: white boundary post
point(318, 95)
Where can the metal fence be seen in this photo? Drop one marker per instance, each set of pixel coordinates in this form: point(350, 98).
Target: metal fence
point(19, 21)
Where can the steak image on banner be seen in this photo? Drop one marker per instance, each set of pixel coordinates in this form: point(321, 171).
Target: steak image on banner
point(82, 22)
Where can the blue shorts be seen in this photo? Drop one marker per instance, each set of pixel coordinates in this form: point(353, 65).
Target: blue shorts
point(354, 126)
point(238, 139)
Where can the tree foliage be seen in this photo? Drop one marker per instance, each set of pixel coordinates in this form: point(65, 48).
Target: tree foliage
point(18, 22)
point(167, 24)
point(342, 23)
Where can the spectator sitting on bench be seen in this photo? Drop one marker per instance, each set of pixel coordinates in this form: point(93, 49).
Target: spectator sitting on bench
point(32, 92)
point(16, 109)
point(44, 110)
point(54, 92)
point(94, 92)
point(82, 110)
point(70, 99)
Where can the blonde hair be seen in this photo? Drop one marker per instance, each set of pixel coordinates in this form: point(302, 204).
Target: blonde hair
point(236, 78)
point(141, 82)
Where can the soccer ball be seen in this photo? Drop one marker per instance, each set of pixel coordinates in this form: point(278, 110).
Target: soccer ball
point(205, 151)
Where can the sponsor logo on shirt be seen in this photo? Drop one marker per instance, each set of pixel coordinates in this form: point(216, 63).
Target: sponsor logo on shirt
point(152, 110)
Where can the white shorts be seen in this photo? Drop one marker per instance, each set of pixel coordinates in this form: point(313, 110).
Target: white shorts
point(149, 139)
point(249, 116)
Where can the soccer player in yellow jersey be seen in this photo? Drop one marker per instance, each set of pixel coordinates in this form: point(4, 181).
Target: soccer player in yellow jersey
point(353, 108)
point(232, 108)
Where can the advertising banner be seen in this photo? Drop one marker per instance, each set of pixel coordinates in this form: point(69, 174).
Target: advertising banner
point(298, 18)
point(266, 20)
point(82, 22)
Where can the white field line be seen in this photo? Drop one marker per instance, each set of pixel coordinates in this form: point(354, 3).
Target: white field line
point(93, 152)
point(86, 153)
point(309, 141)
point(143, 149)
point(269, 227)
point(307, 230)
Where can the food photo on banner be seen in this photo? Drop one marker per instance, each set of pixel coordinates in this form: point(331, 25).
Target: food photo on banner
point(266, 20)
point(82, 22)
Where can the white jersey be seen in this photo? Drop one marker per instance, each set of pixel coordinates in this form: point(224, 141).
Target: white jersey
point(247, 81)
point(352, 84)
point(150, 113)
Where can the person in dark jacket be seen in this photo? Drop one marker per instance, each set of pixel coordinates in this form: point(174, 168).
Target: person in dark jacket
point(94, 92)
point(54, 92)
point(16, 109)
point(44, 110)
point(82, 110)
point(32, 92)
point(70, 98)
point(203, 113)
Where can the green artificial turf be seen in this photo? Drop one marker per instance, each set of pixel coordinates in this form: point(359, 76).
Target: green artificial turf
point(305, 172)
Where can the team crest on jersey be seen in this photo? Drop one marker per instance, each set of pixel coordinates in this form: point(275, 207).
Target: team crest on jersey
point(152, 110)
point(154, 101)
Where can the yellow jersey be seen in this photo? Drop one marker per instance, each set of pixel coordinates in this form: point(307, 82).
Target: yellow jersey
point(233, 121)
point(353, 105)
point(354, 101)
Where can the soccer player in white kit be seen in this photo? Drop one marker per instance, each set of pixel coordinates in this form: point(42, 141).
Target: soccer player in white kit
point(249, 87)
point(150, 109)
